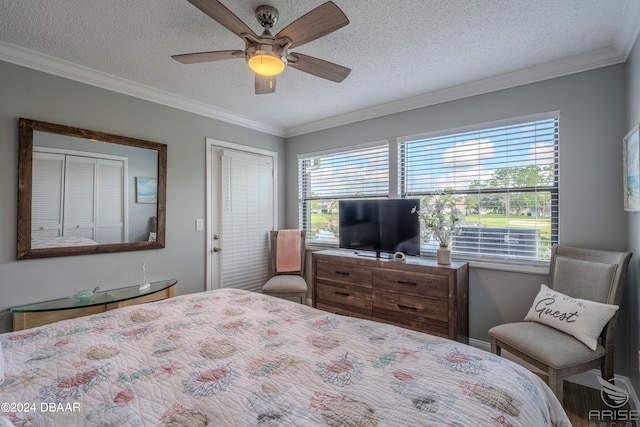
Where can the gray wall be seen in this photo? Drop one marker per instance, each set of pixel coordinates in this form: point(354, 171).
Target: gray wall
point(592, 109)
point(35, 95)
point(632, 294)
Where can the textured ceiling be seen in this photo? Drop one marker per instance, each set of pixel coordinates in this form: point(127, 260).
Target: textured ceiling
point(403, 53)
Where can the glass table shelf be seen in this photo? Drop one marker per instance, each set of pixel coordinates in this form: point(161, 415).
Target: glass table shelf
point(41, 313)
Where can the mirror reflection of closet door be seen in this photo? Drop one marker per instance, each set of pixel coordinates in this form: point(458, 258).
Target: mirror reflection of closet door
point(110, 202)
point(47, 195)
point(80, 197)
point(94, 204)
point(77, 196)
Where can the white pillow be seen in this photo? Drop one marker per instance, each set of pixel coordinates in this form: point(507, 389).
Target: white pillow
point(581, 318)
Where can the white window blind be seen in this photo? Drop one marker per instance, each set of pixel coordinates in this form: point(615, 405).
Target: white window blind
point(504, 180)
point(247, 218)
point(324, 179)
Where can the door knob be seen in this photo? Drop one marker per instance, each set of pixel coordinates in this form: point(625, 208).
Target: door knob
point(217, 249)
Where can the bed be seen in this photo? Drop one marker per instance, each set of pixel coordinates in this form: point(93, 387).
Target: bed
point(60, 242)
point(237, 358)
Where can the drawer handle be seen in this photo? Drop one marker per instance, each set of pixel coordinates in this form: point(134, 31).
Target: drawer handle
point(400, 306)
point(342, 273)
point(344, 294)
point(402, 282)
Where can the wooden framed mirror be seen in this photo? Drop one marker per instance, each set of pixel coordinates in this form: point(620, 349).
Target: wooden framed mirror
point(86, 192)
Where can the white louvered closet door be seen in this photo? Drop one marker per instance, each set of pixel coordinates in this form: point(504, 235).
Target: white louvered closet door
point(80, 193)
point(47, 190)
point(110, 221)
point(245, 217)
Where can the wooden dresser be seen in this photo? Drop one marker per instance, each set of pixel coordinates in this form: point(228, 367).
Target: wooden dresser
point(416, 293)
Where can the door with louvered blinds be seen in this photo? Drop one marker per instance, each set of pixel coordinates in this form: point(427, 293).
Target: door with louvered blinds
point(94, 202)
point(47, 189)
point(80, 197)
point(110, 212)
point(242, 216)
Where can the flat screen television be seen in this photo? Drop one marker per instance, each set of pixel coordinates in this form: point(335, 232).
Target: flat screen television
point(384, 226)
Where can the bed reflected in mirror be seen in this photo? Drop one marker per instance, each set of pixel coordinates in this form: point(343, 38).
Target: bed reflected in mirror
point(84, 192)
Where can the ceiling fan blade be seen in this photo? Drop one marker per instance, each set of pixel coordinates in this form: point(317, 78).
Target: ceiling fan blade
point(223, 16)
point(319, 67)
point(265, 84)
point(319, 22)
point(218, 55)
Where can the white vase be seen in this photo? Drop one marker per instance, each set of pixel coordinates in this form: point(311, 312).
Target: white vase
point(444, 254)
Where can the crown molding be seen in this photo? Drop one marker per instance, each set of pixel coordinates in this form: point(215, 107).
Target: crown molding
point(625, 39)
point(50, 65)
point(628, 30)
point(566, 66)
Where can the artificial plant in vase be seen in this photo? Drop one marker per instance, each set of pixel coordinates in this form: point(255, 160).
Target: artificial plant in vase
point(441, 219)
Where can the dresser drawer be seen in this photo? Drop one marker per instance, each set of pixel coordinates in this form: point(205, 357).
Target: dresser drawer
point(343, 273)
point(440, 329)
point(348, 296)
point(412, 283)
point(410, 306)
point(331, 308)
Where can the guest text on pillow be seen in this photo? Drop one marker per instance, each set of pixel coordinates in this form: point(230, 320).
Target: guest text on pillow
point(580, 318)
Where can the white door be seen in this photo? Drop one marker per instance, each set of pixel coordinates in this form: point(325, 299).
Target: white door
point(110, 212)
point(241, 214)
point(80, 197)
point(47, 192)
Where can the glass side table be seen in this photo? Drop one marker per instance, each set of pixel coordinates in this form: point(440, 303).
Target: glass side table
point(42, 313)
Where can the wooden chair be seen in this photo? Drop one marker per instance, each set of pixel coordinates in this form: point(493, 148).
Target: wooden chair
point(285, 284)
point(588, 274)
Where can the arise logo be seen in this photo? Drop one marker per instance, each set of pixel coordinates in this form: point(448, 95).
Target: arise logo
point(612, 395)
point(615, 397)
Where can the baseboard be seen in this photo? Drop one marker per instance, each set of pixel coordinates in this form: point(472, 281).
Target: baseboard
point(482, 345)
point(587, 379)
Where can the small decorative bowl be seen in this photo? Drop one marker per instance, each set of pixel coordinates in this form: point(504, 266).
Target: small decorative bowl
point(83, 295)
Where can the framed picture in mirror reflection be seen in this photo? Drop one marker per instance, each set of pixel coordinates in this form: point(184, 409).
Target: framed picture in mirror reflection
point(146, 190)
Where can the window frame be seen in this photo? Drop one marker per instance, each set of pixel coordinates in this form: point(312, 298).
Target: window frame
point(396, 177)
point(304, 214)
point(483, 127)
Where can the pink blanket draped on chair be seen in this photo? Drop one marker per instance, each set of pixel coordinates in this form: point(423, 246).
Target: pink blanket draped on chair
point(288, 251)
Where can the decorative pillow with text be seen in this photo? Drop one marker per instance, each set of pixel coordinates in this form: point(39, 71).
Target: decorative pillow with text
point(580, 318)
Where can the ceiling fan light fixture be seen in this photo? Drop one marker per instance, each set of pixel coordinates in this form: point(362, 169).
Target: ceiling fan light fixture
point(266, 59)
point(268, 55)
point(266, 64)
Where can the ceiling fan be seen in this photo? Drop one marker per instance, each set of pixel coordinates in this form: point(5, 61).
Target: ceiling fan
point(268, 55)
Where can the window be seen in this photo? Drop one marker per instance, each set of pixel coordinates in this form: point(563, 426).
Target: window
point(324, 179)
point(503, 177)
point(504, 180)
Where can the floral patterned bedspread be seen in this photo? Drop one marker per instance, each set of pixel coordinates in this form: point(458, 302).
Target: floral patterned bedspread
point(236, 358)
